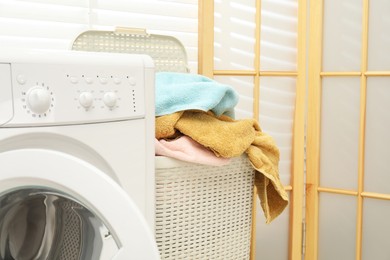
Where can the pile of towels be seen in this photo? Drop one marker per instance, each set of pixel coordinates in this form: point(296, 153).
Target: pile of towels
point(195, 123)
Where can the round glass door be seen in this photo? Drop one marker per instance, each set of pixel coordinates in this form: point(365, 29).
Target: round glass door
point(47, 224)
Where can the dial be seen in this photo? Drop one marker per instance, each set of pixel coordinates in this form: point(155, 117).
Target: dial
point(110, 99)
point(86, 99)
point(38, 99)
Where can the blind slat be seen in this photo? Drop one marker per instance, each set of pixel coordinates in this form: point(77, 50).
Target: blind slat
point(43, 12)
point(34, 43)
point(55, 24)
point(80, 3)
point(39, 29)
point(103, 17)
point(158, 8)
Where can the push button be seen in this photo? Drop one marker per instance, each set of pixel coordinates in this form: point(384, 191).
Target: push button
point(117, 81)
point(74, 80)
point(103, 80)
point(132, 81)
point(21, 79)
point(88, 80)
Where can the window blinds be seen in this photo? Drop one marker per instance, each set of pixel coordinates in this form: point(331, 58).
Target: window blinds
point(55, 24)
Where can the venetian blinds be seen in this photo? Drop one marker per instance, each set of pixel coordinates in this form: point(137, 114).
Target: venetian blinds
point(55, 24)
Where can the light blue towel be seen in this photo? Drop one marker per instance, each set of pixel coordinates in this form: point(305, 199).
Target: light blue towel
point(183, 91)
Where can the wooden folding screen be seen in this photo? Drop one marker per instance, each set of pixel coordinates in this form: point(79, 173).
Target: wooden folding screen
point(348, 174)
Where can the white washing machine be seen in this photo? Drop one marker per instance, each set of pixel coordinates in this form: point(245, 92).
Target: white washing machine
point(76, 156)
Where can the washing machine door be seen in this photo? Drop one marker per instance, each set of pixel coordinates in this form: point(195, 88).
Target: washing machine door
point(55, 206)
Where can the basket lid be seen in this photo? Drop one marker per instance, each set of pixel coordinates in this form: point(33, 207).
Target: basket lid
point(167, 52)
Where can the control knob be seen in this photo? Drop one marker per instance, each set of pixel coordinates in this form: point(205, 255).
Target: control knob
point(86, 99)
point(38, 100)
point(110, 99)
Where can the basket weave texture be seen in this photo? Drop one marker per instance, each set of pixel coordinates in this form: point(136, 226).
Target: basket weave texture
point(167, 52)
point(205, 212)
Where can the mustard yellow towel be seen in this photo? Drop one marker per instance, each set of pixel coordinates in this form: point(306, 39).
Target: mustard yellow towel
point(229, 138)
point(165, 125)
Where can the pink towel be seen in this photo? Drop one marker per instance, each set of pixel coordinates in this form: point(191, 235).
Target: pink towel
point(186, 149)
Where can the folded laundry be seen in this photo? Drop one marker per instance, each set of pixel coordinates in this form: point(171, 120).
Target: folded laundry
point(229, 138)
point(186, 149)
point(183, 91)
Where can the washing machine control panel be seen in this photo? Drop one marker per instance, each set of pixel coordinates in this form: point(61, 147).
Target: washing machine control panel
point(74, 92)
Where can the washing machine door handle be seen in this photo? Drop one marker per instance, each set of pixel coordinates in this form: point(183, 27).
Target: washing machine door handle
point(86, 184)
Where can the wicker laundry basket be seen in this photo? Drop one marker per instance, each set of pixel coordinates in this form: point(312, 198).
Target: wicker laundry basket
point(202, 212)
